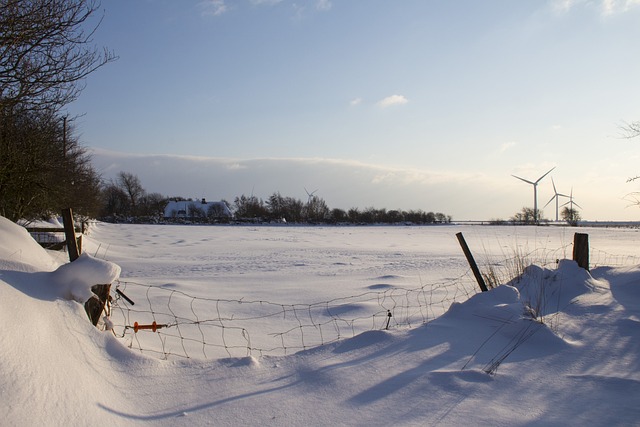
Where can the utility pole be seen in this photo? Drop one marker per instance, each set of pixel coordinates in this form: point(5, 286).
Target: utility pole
point(64, 137)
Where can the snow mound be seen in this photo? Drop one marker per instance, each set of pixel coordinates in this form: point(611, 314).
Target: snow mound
point(546, 291)
point(19, 252)
point(74, 280)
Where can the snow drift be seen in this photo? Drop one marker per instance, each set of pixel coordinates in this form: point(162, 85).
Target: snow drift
point(553, 347)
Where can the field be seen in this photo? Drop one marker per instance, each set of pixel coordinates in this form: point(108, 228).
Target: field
point(239, 291)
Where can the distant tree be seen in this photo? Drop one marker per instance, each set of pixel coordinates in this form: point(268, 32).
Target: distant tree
point(394, 217)
point(354, 215)
point(571, 216)
point(217, 212)
point(415, 217)
point(196, 212)
point(275, 204)
point(631, 130)
point(497, 221)
point(527, 216)
point(287, 208)
point(115, 202)
point(152, 205)
point(338, 215)
point(428, 218)
point(442, 218)
point(368, 215)
point(316, 210)
point(250, 208)
point(131, 186)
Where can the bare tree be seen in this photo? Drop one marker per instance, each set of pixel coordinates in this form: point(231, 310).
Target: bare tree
point(131, 186)
point(631, 130)
point(46, 51)
point(571, 216)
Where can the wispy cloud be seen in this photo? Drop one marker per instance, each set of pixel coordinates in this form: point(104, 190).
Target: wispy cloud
point(267, 2)
point(323, 4)
point(507, 146)
point(605, 7)
point(355, 101)
point(213, 7)
point(392, 100)
point(610, 7)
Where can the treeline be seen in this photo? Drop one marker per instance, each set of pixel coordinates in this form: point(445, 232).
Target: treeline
point(125, 200)
point(278, 208)
point(43, 169)
point(529, 216)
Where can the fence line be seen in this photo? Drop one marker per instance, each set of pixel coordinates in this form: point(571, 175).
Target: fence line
point(170, 323)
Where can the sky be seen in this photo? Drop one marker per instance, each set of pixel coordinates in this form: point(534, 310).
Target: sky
point(410, 104)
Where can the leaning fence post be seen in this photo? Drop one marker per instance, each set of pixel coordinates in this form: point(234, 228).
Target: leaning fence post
point(472, 262)
point(95, 305)
point(70, 234)
point(581, 250)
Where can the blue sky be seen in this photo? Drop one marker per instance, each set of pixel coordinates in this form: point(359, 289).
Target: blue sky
point(436, 102)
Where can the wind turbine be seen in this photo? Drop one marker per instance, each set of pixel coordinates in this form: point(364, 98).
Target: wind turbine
point(571, 202)
point(310, 194)
point(572, 213)
point(535, 192)
point(556, 196)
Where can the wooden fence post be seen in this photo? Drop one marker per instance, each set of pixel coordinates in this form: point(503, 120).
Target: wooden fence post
point(472, 262)
point(70, 234)
point(95, 305)
point(581, 250)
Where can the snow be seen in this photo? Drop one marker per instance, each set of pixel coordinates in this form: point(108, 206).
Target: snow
point(556, 346)
point(75, 279)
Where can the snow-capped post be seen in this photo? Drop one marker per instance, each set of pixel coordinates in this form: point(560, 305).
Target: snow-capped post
point(472, 262)
point(70, 234)
point(581, 250)
point(96, 304)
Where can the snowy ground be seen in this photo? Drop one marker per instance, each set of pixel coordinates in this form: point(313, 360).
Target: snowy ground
point(560, 346)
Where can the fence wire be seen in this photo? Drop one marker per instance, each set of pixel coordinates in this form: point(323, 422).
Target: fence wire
point(169, 323)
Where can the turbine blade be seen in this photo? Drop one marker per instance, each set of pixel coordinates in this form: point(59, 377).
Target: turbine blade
point(539, 179)
point(554, 187)
point(550, 200)
point(525, 180)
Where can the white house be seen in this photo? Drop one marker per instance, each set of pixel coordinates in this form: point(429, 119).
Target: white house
point(196, 208)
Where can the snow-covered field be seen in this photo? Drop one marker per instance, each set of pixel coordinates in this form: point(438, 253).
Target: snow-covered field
point(246, 308)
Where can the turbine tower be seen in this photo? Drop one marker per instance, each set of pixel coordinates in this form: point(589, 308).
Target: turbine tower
point(556, 196)
point(535, 192)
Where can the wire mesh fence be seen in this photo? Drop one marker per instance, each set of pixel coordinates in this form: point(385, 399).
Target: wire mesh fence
point(170, 323)
point(54, 240)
